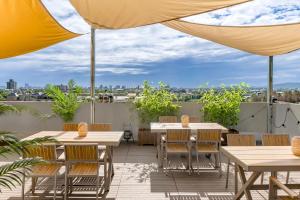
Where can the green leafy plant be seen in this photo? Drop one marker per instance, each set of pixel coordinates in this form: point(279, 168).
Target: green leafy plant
point(11, 174)
point(155, 102)
point(223, 105)
point(65, 105)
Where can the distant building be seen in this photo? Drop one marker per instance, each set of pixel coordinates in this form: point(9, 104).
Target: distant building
point(11, 85)
point(12, 97)
point(63, 88)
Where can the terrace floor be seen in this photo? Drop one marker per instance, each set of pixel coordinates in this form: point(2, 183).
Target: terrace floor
point(137, 177)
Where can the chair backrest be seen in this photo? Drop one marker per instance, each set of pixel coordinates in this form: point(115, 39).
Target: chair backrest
point(241, 140)
point(209, 135)
point(167, 119)
point(100, 127)
point(44, 151)
point(81, 152)
point(70, 127)
point(275, 140)
point(178, 135)
point(194, 119)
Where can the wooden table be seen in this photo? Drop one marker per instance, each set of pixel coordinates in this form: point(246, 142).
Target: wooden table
point(260, 159)
point(108, 138)
point(159, 128)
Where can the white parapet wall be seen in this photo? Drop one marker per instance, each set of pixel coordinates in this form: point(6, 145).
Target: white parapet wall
point(252, 117)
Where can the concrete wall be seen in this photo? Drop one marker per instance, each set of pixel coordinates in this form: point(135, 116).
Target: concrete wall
point(252, 117)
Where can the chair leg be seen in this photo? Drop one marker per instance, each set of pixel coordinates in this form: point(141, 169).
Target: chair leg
point(220, 164)
point(97, 186)
point(227, 173)
point(105, 173)
point(287, 177)
point(262, 178)
point(33, 181)
point(55, 180)
point(23, 187)
point(66, 185)
point(198, 168)
point(190, 163)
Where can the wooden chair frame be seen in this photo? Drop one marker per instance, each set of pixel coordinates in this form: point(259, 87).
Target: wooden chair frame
point(238, 140)
point(273, 182)
point(181, 137)
point(209, 137)
point(275, 140)
point(48, 153)
point(69, 162)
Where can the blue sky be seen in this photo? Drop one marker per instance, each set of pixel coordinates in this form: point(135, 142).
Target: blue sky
point(157, 53)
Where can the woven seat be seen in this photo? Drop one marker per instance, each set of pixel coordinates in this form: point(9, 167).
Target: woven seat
point(45, 170)
point(207, 148)
point(84, 169)
point(177, 148)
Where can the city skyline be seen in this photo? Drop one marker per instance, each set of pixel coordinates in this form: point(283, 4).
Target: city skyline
point(157, 53)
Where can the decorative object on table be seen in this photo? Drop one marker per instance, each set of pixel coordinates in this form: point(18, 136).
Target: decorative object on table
point(82, 129)
point(185, 120)
point(296, 145)
point(153, 102)
point(223, 105)
point(128, 134)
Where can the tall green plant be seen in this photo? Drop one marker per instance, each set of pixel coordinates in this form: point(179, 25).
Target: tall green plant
point(155, 102)
point(65, 105)
point(223, 105)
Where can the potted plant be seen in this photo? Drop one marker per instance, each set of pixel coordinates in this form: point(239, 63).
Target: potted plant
point(65, 105)
point(223, 105)
point(154, 102)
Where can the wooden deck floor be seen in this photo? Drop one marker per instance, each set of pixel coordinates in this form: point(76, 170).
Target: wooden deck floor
point(137, 177)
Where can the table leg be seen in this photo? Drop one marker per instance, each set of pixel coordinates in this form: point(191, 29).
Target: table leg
point(272, 189)
point(236, 181)
point(110, 166)
point(246, 184)
point(159, 153)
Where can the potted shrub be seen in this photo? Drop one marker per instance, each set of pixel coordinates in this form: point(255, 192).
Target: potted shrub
point(154, 102)
point(223, 105)
point(65, 105)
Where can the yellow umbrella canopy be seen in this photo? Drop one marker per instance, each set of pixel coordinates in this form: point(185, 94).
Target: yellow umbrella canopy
point(261, 40)
point(117, 14)
point(27, 26)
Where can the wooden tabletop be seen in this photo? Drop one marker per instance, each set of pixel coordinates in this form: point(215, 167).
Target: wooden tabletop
point(263, 158)
point(162, 127)
point(109, 138)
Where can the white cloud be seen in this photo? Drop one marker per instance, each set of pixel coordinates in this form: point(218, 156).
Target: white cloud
point(137, 48)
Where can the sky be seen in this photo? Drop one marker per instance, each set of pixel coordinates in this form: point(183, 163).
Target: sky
point(157, 53)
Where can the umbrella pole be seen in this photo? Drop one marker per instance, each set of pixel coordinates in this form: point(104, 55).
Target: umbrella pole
point(92, 84)
point(269, 96)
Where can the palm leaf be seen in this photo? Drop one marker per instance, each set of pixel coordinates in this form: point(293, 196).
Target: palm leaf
point(4, 108)
point(11, 174)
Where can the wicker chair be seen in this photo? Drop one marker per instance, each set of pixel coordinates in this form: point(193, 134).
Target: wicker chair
point(194, 119)
point(208, 142)
point(291, 194)
point(70, 127)
point(275, 140)
point(82, 160)
point(49, 169)
point(238, 140)
point(167, 119)
point(178, 142)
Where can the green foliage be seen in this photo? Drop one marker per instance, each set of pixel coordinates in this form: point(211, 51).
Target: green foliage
point(223, 105)
point(65, 105)
point(155, 102)
point(10, 174)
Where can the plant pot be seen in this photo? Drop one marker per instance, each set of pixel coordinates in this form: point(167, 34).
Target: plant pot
point(296, 145)
point(145, 137)
point(224, 135)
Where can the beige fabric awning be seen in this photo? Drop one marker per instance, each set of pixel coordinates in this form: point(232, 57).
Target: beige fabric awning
point(262, 40)
point(27, 26)
point(117, 14)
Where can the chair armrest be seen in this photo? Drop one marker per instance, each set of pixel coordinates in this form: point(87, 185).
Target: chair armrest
point(290, 192)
